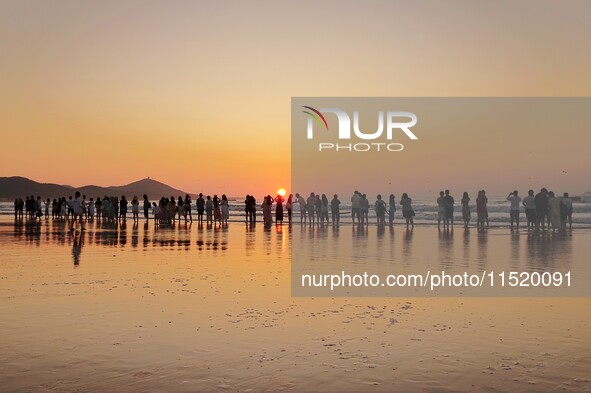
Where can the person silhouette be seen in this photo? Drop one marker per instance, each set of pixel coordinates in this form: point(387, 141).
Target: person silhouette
point(335, 205)
point(566, 211)
point(217, 213)
point(515, 200)
point(440, 209)
point(355, 206)
point(302, 202)
point(407, 211)
point(253, 210)
point(481, 210)
point(181, 208)
point(364, 209)
point(466, 214)
point(391, 209)
point(449, 209)
point(267, 206)
point(485, 207)
point(279, 209)
point(541, 201)
point(247, 208)
point(146, 208)
point(554, 212)
point(324, 209)
point(188, 208)
point(310, 205)
point(77, 211)
point(123, 208)
point(200, 203)
point(225, 209)
point(289, 207)
point(380, 207)
point(135, 209)
point(209, 210)
point(529, 203)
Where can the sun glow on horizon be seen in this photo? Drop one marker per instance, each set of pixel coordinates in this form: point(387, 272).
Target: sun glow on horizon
point(281, 192)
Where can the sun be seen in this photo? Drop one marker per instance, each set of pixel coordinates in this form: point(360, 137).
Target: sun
point(281, 191)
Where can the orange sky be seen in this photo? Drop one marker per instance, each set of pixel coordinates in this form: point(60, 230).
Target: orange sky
point(197, 94)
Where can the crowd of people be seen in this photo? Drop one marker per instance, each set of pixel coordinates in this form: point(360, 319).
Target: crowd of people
point(542, 210)
point(315, 209)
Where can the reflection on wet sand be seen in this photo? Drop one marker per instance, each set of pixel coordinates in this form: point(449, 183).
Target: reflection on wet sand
point(446, 249)
point(540, 250)
point(77, 242)
point(385, 251)
point(466, 250)
point(547, 250)
point(482, 250)
point(190, 308)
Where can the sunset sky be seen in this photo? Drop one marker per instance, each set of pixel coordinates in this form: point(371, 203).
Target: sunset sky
point(197, 94)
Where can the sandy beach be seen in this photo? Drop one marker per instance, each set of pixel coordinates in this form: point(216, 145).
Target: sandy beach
point(187, 309)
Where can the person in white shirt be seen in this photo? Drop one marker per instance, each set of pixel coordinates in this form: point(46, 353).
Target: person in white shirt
point(514, 198)
point(47, 205)
point(70, 209)
point(91, 209)
point(156, 213)
point(77, 209)
point(529, 202)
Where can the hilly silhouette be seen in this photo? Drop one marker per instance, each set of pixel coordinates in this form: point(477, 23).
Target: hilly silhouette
point(19, 187)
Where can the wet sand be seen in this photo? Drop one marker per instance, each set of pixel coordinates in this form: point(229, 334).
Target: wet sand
point(186, 309)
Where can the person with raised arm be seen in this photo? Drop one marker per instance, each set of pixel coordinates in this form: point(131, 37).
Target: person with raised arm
point(302, 202)
point(515, 200)
point(279, 209)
